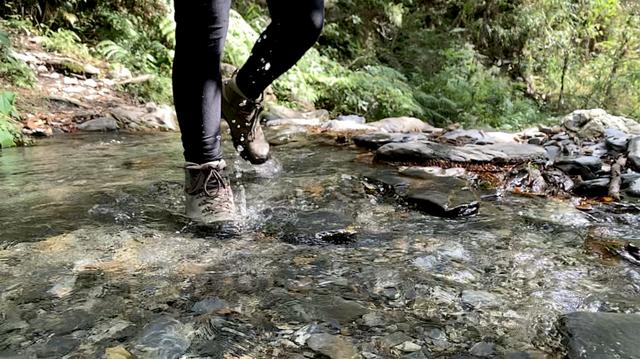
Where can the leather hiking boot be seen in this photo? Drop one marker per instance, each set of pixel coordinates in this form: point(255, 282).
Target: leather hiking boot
point(209, 198)
point(241, 114)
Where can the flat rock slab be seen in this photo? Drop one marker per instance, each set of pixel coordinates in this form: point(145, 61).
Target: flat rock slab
point(373, 141)
point(423, 152)
point(601, 335)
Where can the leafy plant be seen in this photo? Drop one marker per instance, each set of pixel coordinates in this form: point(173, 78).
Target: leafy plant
point(9, 132)
point(12, 69)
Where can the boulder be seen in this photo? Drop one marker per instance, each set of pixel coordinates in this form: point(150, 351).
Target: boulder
point(99, 124)
point(348, 126)
point(593, 188)
point(633, 157)
point(478, 137)
point(307, 122)
point(352, 118)
point(591, 124)
point(422, 152)
point(404, 125)
point(616, 140)
point(600, 335)
point(584, 166)
point(151, 116)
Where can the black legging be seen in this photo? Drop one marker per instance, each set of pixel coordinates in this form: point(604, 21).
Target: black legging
point(201, 29)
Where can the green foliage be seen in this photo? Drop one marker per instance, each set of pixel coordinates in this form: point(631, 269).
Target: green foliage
point(66, 42)
point(10, 134)
point(13, 70)
point(158, 90)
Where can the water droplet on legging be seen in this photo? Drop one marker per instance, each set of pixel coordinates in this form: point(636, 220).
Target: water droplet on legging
point(267, 66)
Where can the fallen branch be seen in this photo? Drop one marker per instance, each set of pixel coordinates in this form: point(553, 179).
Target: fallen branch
point(616, 177)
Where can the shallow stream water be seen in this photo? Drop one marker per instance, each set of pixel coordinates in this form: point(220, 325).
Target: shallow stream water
point(94, 254)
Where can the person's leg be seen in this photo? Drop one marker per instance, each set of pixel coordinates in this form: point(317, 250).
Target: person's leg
point(295, 27)
point(201, 28)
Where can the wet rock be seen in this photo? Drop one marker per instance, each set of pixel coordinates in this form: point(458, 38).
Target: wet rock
point(209, 305)
point(634, 188)
point(483, 350)
point(416, 355)
point(601, 335)
point(151, 116)
point(286, 134)
point(633, 158)
point(99, 124)
point(480, 299)
point(421, 152)
point(594, 187)
point(327, 308)
point(352, 118)
point(552, 151)
point(164, 337)
point(333, 346)
point(374, 141)
point(591, 124)
point(404, 125)
point(585, 166)
point(456, 203)
point(56, 347)
point(305, 122)
point(395, 339)
point(478, 137)
point(616, 140)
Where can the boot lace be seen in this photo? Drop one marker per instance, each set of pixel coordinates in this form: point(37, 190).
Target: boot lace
point(251, 109)
point(206, 178)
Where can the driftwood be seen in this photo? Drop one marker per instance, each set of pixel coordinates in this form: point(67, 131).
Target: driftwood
point(616, 177)
point(136, 80)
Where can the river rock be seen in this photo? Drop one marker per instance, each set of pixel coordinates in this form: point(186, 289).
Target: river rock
point(421, 152)
point(601, 335)
point(209, 305)
point(151, 116)
point(429, 172)
point(634, 188)
point(408, 347)
point(591, 124)
point(99, 124)
point(584, 166)
point(330, 308)
point(483, 350)
point(593, 188)
point(373, 320)
point(277, 112)
point(454, 203)
point(404, 125)
point(395, 339)
point(373, 141)
point(306, 122)
point(165, 338)
point(333, 346)
point(56, 347)
point(616, 140)
point(478, 137)
point(633, 158)
point(480, 299)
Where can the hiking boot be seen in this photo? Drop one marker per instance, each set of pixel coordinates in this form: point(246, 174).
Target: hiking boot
point(241, 114)
point(209, 197)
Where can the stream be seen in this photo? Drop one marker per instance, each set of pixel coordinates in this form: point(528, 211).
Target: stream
point(96, 261)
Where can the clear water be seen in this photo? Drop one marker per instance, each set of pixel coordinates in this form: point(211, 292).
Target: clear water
point(94, 254)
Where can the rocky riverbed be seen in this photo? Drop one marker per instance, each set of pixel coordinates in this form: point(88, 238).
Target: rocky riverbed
point(340, 256)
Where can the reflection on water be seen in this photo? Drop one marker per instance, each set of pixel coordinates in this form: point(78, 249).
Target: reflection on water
point(96, 259)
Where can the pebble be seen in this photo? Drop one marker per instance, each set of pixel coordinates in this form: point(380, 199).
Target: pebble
point(483, 350)
point(409, 347)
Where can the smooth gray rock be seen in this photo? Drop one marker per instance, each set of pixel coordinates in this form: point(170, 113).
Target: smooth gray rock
point(57, 347)
point(306, 122)
point(208, 305)
point(423, 152)
point(483, 350)
point(99, 124)
point(165, 338)
point(347, 126)
point(373, 320)
point(394, 339)
point(373, 141)
point(480, 299)
point(616, 140)
point(584, 166)
point(634, 188)
point(601, 335)
point(633, 157)
point(333, 346)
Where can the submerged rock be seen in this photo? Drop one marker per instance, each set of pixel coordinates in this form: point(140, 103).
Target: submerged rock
point(333, 346)
point(594, 187)
point(480, 299)
point(455, 203)
point(601, 335)
point(483, 350)
point(422, 152)
point(165, 338)
point(634, 188)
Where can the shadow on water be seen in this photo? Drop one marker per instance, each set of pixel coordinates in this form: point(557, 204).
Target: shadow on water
point(96, 255)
